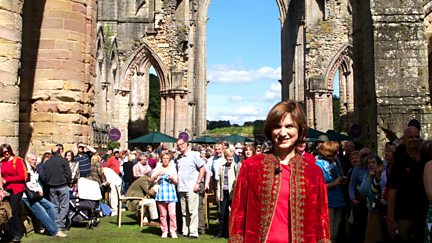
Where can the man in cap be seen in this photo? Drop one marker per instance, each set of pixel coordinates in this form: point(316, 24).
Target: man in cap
point(83, 159)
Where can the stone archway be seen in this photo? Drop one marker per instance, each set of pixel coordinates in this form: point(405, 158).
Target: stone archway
point(342, 63)
point(132, 94)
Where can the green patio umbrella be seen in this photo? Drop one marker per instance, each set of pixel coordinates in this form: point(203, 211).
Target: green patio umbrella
point(234, 138)
point(312, 134)
point(335, 136)
point(204, 139)
point(154, 137)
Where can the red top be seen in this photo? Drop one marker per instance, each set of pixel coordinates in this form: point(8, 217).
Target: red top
point(280, 228)
point(14, 175)
point(256, 195)
point(114, 164)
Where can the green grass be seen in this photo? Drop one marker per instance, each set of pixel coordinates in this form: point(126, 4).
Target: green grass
point(107, 231)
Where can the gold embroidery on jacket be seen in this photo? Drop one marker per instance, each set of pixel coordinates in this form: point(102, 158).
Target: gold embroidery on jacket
point(269, 193)
point(297, 198)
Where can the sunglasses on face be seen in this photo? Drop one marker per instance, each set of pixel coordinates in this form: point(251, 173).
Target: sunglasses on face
point(5, 151)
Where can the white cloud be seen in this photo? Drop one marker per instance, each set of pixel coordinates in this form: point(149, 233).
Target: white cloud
point(274, 93)
point(236, 98)
point(228, 74)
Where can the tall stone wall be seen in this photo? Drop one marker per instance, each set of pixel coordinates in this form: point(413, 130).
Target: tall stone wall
point(10, 53)
point(58, 73)
point(401, 66)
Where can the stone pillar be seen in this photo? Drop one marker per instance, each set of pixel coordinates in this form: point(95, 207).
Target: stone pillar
point(58, 73)
point(169, 119)
point(163, 114)
point(201, 63)
point(10, 46)
point(401, 67)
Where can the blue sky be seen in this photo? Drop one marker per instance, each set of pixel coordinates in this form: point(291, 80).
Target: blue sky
point(243, 59)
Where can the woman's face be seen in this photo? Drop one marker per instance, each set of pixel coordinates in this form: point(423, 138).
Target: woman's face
point(68, 156)
point(165, 160)
point(6, 154)
point(229, 159)
point(355, 160)
point(32, 160)
point(248, 152)
point(285, 134)
point(388, 154)
point(372, 164)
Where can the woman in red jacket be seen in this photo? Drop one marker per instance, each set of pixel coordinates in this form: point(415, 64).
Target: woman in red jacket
point(13, 175)
point(279, 196)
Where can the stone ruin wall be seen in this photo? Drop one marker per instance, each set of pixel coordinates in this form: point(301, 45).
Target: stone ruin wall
point(401, 67)
point(57, 74)
point(326, 35)
point(10, 54)
point(158, 35)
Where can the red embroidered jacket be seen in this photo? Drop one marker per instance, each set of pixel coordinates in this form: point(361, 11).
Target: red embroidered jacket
point(256, 194)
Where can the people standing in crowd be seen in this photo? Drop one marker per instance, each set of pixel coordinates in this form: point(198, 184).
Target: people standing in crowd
point(57, 177)
point(13, 179)
point(345, 161)
point(42, 209)
point(389, 150)
point(61, 148)
point(165, 175)
point(333, 175)
point(97, 173)
point(141, 168)
point(44, 158)
point(190, 171)
point(83, 159)
point(278, 196)
point(73, 165)
point(113, 162)
point(373, 187)
point(407, 202)
point(217, 160)
point(225, 180)
point(203, 189)
point(128, 176)
point(359, 210)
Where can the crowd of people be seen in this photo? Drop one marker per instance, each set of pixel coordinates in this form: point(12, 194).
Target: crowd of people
point(288, 190)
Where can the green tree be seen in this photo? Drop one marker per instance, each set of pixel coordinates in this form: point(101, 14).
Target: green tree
point(336, 114)
point(153, 113)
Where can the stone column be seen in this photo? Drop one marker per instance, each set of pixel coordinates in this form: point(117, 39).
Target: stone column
point(58, 73)
point(163, 105)
point(10, 46)
point(201, 62)
point(169, 119)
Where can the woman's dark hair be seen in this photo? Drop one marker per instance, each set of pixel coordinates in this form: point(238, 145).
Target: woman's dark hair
point(46, 155)
point(72, 154)
point(374, 157)
point(279, 111)
point(8, 147)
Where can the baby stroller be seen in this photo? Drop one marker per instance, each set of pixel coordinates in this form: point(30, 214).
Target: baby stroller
point(87, 205)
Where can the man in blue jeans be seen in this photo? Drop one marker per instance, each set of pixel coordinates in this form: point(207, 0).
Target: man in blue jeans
point(43, 209)
point(57, 175)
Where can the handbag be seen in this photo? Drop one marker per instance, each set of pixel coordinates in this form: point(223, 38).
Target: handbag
point(32, 196)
